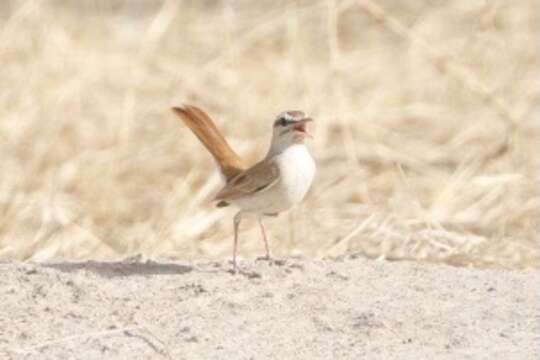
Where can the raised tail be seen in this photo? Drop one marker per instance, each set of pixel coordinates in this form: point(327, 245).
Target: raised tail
point(204, 128)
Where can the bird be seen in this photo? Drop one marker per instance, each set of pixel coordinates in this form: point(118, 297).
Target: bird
point(273, 185)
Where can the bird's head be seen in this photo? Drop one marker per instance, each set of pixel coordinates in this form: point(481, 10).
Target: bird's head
point(290, 127)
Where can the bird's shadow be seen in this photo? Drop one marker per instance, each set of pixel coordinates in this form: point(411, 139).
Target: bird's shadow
point(122, 268)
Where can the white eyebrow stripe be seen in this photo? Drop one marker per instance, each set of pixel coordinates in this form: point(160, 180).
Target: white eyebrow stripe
point(288, 116)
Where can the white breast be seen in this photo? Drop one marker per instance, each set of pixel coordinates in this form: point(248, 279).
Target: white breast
point(297, 170)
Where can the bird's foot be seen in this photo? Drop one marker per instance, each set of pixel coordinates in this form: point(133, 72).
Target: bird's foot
point(271, 260)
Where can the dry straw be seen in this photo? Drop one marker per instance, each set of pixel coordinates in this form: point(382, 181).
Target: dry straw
point(426, 126)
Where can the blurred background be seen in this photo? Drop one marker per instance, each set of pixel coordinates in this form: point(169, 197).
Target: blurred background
point(426, 127)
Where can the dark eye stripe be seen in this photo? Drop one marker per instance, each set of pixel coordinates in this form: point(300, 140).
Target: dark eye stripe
point(283, 122)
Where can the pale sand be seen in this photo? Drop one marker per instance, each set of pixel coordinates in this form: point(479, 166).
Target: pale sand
point(343, 309)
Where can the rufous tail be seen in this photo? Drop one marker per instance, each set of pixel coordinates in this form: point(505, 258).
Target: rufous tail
point(204, 128)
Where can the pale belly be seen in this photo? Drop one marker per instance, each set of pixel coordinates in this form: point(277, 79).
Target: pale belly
point(297, 170)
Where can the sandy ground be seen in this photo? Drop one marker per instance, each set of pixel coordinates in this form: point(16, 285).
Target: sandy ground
point(349, 308)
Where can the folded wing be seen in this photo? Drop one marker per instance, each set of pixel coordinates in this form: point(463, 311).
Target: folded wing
point(261, 177)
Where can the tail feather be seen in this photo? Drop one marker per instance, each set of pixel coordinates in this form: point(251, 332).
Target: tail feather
point(204, 128)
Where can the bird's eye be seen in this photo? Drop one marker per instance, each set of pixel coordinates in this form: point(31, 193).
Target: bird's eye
point(282, 122)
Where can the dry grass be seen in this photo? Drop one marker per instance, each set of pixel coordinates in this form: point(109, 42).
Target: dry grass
point(426, 126)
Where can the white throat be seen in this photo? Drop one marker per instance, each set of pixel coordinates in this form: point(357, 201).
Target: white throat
point(280, 144)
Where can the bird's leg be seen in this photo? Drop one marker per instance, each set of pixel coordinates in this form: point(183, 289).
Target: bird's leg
point(237, 219)
point(265, 239)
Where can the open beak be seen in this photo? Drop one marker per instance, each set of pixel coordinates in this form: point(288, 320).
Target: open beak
point(300, 126)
